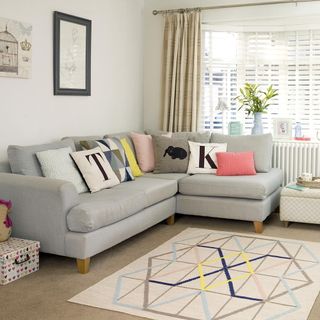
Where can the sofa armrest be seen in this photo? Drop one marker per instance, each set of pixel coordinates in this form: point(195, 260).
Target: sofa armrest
point(40, 208)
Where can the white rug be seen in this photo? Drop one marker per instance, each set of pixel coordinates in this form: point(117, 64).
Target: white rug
point(205, 274)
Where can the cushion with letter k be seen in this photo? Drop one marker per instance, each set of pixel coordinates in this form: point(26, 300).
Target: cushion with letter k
point(203, 156)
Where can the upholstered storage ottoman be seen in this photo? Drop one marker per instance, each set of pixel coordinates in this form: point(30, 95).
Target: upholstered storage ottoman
point(18, 258)
point(300, 206)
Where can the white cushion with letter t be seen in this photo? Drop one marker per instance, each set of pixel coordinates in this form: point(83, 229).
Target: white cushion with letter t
point(95, 169)
point(203, 156)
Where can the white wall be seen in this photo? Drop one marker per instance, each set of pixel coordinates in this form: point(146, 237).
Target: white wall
point(31, 114)
point(153, 35)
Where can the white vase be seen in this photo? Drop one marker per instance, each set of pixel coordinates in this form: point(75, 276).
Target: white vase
point(257, 124)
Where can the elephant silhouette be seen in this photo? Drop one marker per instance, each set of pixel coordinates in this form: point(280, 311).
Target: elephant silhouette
point(176, 152)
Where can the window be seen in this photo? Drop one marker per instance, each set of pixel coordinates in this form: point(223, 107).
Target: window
point(290, 61)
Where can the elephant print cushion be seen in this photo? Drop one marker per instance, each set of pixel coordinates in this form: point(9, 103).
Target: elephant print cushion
point(171, 155)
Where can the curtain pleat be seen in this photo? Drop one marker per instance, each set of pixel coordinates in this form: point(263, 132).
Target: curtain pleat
point(181, 71)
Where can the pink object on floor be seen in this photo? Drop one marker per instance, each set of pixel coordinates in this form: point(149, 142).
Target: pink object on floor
point(6, 203)
point(144, 151)
point(235, 164)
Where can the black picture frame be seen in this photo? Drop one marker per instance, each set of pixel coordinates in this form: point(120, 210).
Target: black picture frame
point(74, 91)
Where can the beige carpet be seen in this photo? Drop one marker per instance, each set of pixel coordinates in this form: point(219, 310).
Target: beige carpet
point(44, 294)
point(203, 274)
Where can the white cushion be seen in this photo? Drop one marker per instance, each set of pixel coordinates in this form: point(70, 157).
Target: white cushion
point(95, 169)
point(57, 164)
point(203, 156)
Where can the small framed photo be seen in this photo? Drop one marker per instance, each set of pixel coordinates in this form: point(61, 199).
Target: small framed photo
point(72, 55)
point(282, 128)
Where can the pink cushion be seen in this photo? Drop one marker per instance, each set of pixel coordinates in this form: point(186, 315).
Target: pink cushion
point(144, 151)
point(235, 164)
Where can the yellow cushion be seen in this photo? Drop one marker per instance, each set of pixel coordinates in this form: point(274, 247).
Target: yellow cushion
point(131, 158)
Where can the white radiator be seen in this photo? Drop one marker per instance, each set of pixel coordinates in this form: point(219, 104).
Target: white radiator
point(295, 157)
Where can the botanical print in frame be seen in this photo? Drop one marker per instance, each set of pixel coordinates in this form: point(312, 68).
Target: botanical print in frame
point(72, 55)
point(15, 48)
point(282, 128)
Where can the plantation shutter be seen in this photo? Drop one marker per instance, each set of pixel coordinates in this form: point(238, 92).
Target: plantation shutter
point(304, 79)
point(289, 60)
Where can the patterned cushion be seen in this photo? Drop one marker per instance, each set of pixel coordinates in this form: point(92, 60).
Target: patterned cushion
point(95, 169)
point(131, 158)
point(114, 152)
point(171, 155)
point(57, 164)
point(203, 156)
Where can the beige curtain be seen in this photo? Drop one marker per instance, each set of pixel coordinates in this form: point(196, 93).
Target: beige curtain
point(181, 71)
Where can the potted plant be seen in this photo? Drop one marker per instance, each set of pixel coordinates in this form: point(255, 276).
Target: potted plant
point(256, 101)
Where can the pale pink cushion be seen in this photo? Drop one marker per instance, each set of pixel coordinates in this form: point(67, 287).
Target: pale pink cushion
point(235, 164)
point(144, 151)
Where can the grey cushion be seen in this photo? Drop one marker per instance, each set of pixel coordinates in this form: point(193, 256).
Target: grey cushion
point(23, 159)
point(171, 155)
point(193, 136)
point(77, 139)
point(250, 187)
point(166, 176)
point(112, 205)
point(261, 145)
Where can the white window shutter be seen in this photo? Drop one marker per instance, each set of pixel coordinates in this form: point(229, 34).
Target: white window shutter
point(290, 61)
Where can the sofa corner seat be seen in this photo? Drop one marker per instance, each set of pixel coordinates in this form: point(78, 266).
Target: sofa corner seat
point(250, 198)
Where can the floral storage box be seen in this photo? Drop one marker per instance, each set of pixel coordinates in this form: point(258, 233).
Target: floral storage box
point(18, 258)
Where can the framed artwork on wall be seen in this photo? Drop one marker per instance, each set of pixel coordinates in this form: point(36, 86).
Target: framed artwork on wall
point(282, 128)
point(15, 48)
point(71, 55)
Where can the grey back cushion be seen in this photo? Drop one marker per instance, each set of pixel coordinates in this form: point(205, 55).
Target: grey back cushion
point(203, 137)
point(260, 145)
point(77, 139)
point(23, 159)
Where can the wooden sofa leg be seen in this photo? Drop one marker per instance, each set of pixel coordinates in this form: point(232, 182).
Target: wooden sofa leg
point(286, 224)
point(170, 220)
point(83, 265)
point(258, 226)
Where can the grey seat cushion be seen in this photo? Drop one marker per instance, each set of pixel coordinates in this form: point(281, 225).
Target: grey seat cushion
point(111, 205)
point(257, 187)
point(261, 145)
point(23, 159)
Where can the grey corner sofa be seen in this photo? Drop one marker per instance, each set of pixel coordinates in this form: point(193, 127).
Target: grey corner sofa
point(83, 225)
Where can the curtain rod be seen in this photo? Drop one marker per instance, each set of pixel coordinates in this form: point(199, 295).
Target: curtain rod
point(240, 5)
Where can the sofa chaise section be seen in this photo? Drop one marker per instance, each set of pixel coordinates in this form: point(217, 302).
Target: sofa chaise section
point(250, 198)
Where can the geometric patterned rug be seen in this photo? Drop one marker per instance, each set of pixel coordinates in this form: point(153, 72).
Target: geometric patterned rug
point(205, 274)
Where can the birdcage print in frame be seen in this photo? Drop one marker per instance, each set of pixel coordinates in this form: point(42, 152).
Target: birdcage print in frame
point(15, 48)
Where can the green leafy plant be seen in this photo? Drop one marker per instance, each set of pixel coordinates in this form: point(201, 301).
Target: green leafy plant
point(255, 100)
